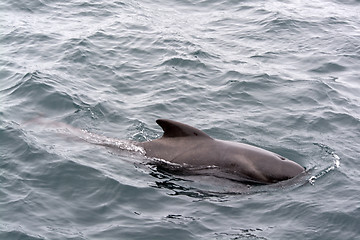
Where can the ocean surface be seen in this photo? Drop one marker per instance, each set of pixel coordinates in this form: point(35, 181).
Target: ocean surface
point(77, 75)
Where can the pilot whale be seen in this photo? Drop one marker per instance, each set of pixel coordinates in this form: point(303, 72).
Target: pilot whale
point(187, 146)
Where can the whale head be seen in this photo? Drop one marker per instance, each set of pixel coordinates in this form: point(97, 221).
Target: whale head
point(259, 164)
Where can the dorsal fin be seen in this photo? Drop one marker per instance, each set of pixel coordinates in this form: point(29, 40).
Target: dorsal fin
point(174, 129)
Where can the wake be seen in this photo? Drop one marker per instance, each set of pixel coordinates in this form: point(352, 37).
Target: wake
point(67, 130)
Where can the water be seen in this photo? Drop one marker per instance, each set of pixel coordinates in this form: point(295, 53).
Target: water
point(281, 75)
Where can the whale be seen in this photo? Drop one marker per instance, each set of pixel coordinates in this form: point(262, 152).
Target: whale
point(195, 152)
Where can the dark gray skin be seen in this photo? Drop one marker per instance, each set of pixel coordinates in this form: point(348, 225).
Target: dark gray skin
point(194, 149)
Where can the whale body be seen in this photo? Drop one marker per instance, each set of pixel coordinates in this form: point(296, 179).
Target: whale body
point(193, 149)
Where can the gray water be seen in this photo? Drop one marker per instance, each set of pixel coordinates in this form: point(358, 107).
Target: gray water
point(281, 75)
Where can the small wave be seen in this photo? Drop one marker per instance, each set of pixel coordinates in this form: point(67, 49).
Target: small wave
point(277, 23)
point(183, 63)
point(329, 67)
point(40, 90)
point(203, 55)
point(18, 234)
point(29, 6)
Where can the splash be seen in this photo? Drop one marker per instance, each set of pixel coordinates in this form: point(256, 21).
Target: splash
point(335, 165)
